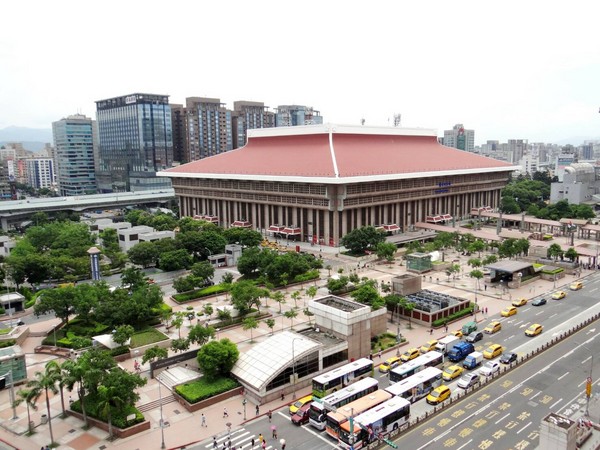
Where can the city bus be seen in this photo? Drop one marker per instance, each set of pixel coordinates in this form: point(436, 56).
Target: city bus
point(376, 423)
point(336, 418)
point(320, 407)
point(429, 359)
point(341, 377)
point(418, 385)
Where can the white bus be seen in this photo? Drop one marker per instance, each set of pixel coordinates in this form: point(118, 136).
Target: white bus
point(320, 407)
point(376, 423)
point(341, 377)
point(418, 385)
point(342, 414)
point(429, 359)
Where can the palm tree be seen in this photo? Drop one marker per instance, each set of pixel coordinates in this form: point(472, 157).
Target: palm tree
point(46, 381)
point(307, 312)
point(291, 314)
point(74, 372)
point(271, 324)
point(108, 400)
point(295, 296)
point(279, 297)
point(250, 323)
point(312, 292)
point(30, 397)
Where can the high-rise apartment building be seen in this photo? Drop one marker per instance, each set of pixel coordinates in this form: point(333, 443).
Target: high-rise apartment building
point(179, 124)
point(518, 148)
point(74, 151)
point(460, 138)
point(249, 115)
point(294, 115)
point(135, 141)
point(40, 173)
point(208, 128)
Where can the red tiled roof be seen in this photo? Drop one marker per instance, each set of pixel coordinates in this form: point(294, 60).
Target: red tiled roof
point(353, 154)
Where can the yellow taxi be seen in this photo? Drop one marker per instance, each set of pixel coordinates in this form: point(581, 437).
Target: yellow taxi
point(458, 333)
point(389, 364)
point(410, 354)
point(576, 285)
point(520, 302)
point(510, 311)
point(558, 295)
point(438, 395)
point(452, 372)
point(492, 351)
point(493, 327)
point(429, 346)
point(294, 407)
point(534, 330)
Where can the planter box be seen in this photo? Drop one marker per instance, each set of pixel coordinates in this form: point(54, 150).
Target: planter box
point(117, 432)
point(193, 407)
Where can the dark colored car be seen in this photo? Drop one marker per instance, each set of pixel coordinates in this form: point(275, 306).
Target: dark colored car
point(508, 358)
point(301, 416)
point(539, 302)
point(474, 336)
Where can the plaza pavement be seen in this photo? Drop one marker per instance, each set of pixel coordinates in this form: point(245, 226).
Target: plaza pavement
point(185, 428)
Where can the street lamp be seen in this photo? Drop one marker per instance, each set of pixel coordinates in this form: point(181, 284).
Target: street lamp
point(589, 382)
point(9, 374)
point(244, 405)
point(294, 366)
point(162, 423)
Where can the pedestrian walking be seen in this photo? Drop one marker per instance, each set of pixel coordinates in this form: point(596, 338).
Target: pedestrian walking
point(282, 442)
point(274, 432)
point(203, 420)
point(446, 327)
point(260, 437)
point(485, 287)
point(225, 413)
point(379, 354)
point(215, 445)
point(264, 444)
point(486, 310)
point(252, 442)
point(430, 331)
point(282, 396)
point(229, 443)
point(257, 410)
point(269, 415)
point(371, 356)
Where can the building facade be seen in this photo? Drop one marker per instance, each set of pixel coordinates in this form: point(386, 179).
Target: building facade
point(209, 130)
point(135, 138)
point(40, 173)
point(249, 115)
point(74, 151)
point(178, 122)
point(460, 138)
point(328, 180)
point(297, 115)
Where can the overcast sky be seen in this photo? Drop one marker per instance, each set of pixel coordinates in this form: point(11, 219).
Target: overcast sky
point(522, 69)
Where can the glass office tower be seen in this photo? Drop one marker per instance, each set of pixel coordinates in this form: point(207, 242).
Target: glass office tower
point(135, 136)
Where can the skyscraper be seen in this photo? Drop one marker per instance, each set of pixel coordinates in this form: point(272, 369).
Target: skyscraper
point(40, 172)
point(294, 115)
point(178, 121)
point(249, 115)
point(460, 138)
point(74, 151)
point(208, 128)
point(135, 138)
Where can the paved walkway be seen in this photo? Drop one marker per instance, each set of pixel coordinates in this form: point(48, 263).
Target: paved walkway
point(185, 428)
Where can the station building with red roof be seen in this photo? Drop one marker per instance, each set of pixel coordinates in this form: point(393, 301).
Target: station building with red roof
point(319, 182)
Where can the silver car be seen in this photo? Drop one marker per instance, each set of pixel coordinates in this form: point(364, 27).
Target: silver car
point(468, 380)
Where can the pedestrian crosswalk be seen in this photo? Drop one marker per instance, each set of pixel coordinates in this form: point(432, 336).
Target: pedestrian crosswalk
point(241, 439)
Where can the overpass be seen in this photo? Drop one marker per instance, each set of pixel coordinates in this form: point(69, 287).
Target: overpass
point(13, 212)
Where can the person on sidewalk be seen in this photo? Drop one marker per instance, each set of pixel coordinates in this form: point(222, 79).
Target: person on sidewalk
point(269, 415)
point(274, 432)
point(215, 445)
point(225, 413)
point(282, 442)
point(252, 442)
point(260, 438)
point(379, 354)
point(203, 423)
point(257, 410)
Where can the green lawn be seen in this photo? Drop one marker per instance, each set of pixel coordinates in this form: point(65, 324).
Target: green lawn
point(147, 337)
point(202, 389)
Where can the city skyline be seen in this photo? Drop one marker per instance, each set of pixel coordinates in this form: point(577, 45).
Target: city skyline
point(507, 71)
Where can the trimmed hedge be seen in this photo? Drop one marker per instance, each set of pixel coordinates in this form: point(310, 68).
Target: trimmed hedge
point(201, 389)
point(451, 317)
point(8, 343)
point(198, 293)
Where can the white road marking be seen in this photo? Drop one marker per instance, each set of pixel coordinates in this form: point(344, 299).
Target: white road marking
point(562, 376)
point(502, 418)
point(524, 427)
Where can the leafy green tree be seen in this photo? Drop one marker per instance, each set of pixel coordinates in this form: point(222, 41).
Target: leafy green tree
point(271, 324)
point(217, 358)
point(122, 334)
point(96, 364)
point(177, 322)
point(477, 274)
point(392, 302)
point(279, 297)
point(60, 301)
point(74, 375)
point(180, 345)
point(46, 381)
point(312, 292)
point(361, 239)
point(154, 353)
point(143, 254)
point(184, 284)
point(242, 236)
point(106, 402)
point(250, 323)
point(163, 222)
point(224, 315)
point(571, 254)
point(245, 295)
point(336, 285)
point(227, 278)
point(174, 260)
point(387, 251)
point(291, 314)
point(366, 293)
point(555, 251)
point(133, 277)
point(490, 259)
point(295, 296)
point(203, 271)
point(110, 240)
point(200, 334)
point(521, 246)
point(307, 312)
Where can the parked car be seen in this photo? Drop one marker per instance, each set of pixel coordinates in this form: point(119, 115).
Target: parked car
point(438, 395)
point(539, 302)
point(559, 295)
point(468, 380)
point(508, 358)
point(493, 327)
point(301, 416)
point(474, 337)
point(492, 351)
point(520, 302)
point(534, 330)
point(510, 311)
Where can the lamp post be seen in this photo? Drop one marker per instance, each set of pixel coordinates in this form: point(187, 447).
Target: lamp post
point(9, 374)
point(294, 366)
point(244, 405)
point(589, 382)
point(162, 423)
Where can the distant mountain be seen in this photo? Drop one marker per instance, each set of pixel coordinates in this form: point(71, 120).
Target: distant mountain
point(23, 134)
point(32, 146)
point(576, 140)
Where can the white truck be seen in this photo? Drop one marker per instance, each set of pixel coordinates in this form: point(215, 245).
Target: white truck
point(473, 360)
point(445, 344)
